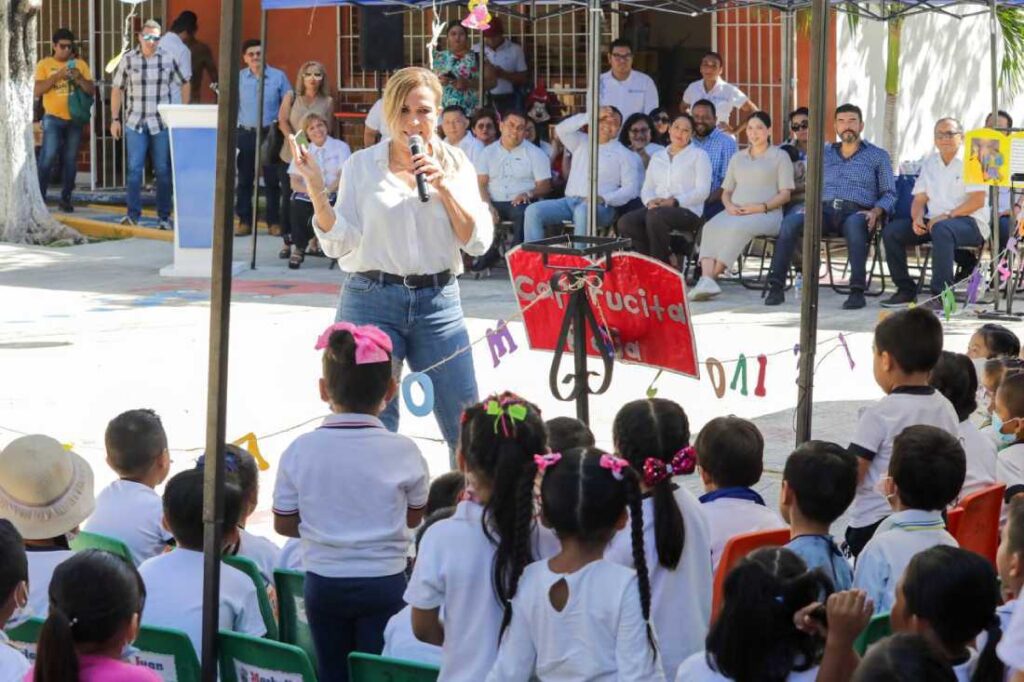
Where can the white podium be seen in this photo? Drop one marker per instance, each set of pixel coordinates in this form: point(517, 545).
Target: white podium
point(193, 132)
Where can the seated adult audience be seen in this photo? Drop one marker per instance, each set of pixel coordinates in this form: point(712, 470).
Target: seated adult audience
point(374, 125)
point(1003, 122)
point(677, 183)
point(945, 212)
point(532, 136)
point(859, 189)
point(661, 119)
point(484, 125)
point(330, 154)
point(636, 136)
point(719, 147)
point(796, 147)
point(725, 96)
point(512, 173)
point(455, 127)
point(507, 61)
point(622, 86)
point(756, 187)
point(620, 175)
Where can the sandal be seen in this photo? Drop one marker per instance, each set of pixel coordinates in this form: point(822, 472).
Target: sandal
point(295, 260)
point(285, 251)
point(313, 248)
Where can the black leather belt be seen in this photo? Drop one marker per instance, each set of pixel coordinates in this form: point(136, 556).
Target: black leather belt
point(410, 281)
point(842, 206)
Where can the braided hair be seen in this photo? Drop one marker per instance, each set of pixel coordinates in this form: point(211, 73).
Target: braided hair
point(583, 500)
point(658, 429)
point(498, 448)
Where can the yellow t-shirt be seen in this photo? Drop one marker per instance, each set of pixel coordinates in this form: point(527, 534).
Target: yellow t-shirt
point(55, 100)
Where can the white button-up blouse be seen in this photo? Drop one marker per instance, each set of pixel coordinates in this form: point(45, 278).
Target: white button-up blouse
point(380, 223)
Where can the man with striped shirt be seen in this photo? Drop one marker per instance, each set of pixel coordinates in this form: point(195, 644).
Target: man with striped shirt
point(145, 79)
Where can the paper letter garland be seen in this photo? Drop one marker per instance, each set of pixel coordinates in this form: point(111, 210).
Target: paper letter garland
point(762, 369)
point(741, 368)
point(500, 342)
point(426, 385)
point(714, 366)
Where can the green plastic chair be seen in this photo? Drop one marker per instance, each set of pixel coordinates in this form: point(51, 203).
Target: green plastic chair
point(85, 540)
point(24, 637)
point(249, 567)
point(369, 668)
point(291, 604)
point(244, 658)
point(877, 629)
point(167, 652)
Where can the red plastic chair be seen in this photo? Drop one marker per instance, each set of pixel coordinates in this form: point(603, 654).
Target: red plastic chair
point(978, 530)
point(953, 517)
point(735, 549)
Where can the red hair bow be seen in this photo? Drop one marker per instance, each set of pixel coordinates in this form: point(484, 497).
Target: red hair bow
point(656, 471)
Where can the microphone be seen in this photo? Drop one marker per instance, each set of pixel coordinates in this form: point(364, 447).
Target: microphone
point(416, 147)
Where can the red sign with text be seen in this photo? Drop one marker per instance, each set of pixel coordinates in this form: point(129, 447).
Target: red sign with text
point(641, 300)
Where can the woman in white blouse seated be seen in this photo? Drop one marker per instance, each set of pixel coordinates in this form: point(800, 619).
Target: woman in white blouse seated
point(677, 183)
point(757, 184)
point(330, 153)
point(403, 255)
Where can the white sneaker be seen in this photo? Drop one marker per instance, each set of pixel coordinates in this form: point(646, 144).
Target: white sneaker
point(705, 289)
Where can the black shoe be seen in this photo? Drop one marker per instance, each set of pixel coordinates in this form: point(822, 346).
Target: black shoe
point(899, 300)
point(67, 207)
point(775, 296)
point(855, 301)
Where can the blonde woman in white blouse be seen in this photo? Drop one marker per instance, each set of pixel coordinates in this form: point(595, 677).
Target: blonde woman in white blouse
point(403, 255)
point(678, 181)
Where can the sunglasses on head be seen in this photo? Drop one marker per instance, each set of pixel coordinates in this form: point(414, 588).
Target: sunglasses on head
point(799, 126)
point(661, 119)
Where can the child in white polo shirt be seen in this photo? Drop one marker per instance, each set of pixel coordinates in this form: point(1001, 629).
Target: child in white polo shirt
point(174, 581)
point(925, 474)
point(352, 490)
point(907, 346)
point(730, 458)
point(129, 509)
point(13, 596)
point(1008, 427)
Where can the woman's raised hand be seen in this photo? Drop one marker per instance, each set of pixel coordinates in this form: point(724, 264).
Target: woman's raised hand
point(307, 166)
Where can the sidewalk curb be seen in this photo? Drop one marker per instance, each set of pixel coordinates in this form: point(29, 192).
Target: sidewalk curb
point(103, 229)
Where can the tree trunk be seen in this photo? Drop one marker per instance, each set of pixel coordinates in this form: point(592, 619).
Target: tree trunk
point(892, 89)
point(24, 217)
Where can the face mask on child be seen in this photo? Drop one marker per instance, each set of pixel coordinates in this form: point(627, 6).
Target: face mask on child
point(998, 425)
point(21, 612)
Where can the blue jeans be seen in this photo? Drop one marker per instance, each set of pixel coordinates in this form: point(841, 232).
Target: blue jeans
point(852, 225)
point(59, 134)
point(946, 236)
point(159, 149)
point(349, 614)
point(425, 325)
point(556, 210)
point(517, 214)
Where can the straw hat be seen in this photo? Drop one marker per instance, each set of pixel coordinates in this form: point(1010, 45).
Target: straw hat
point(45, 490)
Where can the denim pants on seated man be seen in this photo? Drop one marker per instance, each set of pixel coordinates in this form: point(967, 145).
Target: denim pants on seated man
point(158, 147)
point(59, 135)
point(852, 225)
point(553, 211)
point(946, 236)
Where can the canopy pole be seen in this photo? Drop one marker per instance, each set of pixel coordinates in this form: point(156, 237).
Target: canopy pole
point(259, 139)
point(993, 192)
point(788, 79)
point(220, 309)
point(812, 218)
point(593, 106)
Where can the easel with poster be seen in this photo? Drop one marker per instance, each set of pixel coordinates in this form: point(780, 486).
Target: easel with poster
point(995, 158)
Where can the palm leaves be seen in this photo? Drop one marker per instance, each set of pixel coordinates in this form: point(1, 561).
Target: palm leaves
point(1011, 71)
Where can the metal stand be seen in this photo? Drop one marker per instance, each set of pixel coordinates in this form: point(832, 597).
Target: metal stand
point(575, 282)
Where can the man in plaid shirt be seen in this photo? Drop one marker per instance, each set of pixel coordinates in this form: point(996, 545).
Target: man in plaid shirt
point(144, 80)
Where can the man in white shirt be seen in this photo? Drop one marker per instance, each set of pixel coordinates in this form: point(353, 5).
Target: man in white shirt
point(624, 88)
point(512, 174)
point(172, 43)
point(620, 175)
point(455, 126)
point(945, 212)
point(725, 96)
point(373, 129)
point(508, 62)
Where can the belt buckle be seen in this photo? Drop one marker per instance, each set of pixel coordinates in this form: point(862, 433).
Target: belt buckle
point(837, 204)
point(405, 281)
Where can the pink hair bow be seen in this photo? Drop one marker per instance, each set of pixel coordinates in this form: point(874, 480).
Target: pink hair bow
point(372, 345)
point(615, 464)
point(656, 471)
point(546, 460)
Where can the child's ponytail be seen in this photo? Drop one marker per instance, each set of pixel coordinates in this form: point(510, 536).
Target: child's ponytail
point(56, 659)
point(989, 667)
point(634, 500)
point(653, 436)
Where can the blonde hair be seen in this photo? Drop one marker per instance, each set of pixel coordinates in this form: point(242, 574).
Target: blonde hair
point(314, 116)
point(300, 86)
point(400, 84)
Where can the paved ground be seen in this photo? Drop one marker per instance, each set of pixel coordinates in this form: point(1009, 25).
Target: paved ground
point(89, 331)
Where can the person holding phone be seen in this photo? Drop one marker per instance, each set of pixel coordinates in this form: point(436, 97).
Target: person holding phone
point(330, 154)
point(403, 255)
point(459, 70)
point(54, 79)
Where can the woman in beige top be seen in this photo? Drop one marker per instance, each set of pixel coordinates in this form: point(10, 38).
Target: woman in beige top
point(312, 95)
point(757, 185)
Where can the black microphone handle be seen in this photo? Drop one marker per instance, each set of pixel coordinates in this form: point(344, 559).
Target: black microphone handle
point(421, 182)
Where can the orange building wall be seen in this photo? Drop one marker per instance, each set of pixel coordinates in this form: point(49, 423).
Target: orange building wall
point(803, 69)
point(291, 37)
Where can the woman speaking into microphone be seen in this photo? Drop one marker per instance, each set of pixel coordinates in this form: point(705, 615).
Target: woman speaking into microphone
point(401, 251)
